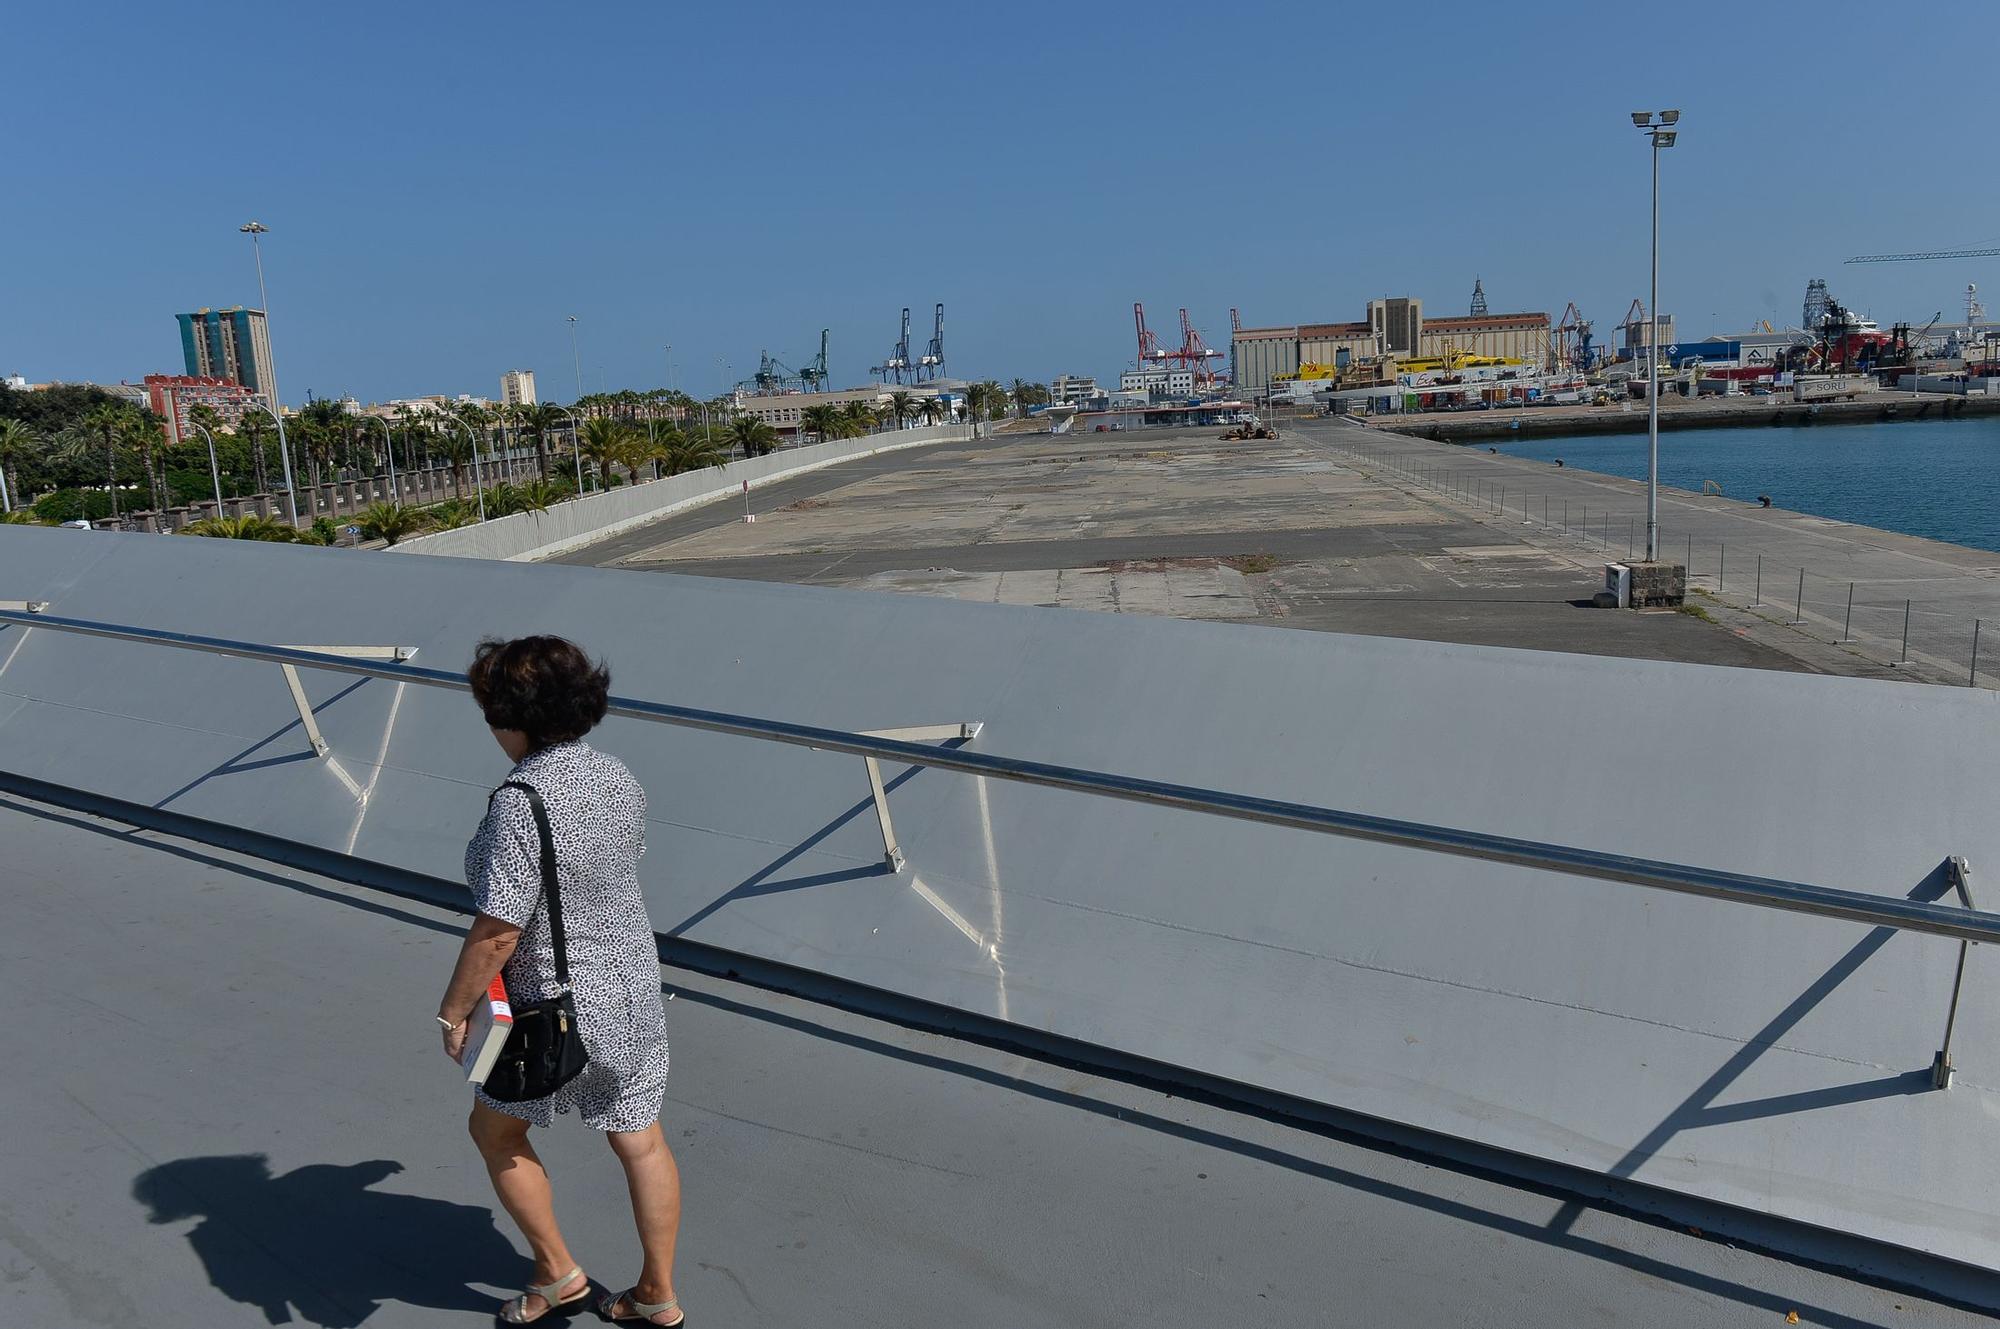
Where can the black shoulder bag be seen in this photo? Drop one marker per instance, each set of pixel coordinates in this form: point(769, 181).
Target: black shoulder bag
point(545, 1050)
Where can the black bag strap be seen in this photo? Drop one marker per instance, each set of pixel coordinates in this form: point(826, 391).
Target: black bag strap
point(550, 886)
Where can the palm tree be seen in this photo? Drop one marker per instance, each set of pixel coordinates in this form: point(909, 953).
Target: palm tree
point(253, 428)
point(902, 407)
point(456, 449)
point(538, 420)
point(17, 440)
point(391, 521)
point(141, 433)
point(932, 408)
point(243, 528)
point(824, 420)
point(604, 442)
point(105, 425)
point(20, 517)
point(478, 421)
point(860, 418)
point(753, 435)
point(690, 453)
point(452, 514)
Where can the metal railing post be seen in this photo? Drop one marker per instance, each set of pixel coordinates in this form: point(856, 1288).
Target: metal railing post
point(1799, 614)
point(1959, 873)
point(1905, 656)
point(1972, 679)
point(1847, 627)
point(1721, 565)
point(1757, 597)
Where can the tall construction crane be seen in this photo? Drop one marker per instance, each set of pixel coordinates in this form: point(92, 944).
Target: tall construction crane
point(814, 375)
point(932, 363)
point(898, 362)
point(1925, 256)
point(1193, 353)
point(1149, 345)
point(1569, 341)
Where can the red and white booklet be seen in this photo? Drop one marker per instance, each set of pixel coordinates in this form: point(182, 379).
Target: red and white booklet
point(486, 1032)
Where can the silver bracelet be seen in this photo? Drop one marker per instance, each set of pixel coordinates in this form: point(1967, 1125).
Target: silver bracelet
point(449, 1027)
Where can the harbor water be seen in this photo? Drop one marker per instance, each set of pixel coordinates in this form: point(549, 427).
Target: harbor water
point(1936, 479)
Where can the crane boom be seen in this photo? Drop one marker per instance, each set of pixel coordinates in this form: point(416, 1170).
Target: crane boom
point(1925, 255)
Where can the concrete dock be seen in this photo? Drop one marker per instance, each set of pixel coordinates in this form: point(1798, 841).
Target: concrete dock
point(1337, 527)
point(1677, 412)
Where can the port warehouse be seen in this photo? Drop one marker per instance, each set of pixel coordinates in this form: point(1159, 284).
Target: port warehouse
point(1392, 326)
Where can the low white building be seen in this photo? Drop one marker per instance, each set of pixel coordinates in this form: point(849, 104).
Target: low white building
point(1158, 382)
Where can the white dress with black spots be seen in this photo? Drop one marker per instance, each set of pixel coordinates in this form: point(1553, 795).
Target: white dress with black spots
point(597, 815)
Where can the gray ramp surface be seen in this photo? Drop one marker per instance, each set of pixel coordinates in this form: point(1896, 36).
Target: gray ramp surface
point(239, 1116)
point(1765, 1061)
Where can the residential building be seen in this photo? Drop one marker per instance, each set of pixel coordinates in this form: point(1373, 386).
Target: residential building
point(171, 396)
point(232, 344)
point(1157, 382)
point(517, 387)
point(1069, 389)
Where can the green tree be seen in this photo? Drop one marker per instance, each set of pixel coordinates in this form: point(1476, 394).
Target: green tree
point(391, 521)
point(253, 429)
point(604, 442)
point(18, 441)
point(140, 434)
point(753, 435)
point(932, 408)
point(902, 408)
point(456, 449)
point(824, 420)
point(106, 427)
point(538, 420)
point(860, 418)
point(690, 453)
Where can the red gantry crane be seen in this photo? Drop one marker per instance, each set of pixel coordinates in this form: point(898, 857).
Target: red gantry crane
point(1193, 352)
point(1149, 344)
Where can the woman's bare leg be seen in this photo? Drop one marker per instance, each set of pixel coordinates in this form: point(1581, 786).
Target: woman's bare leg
point(655, 1183)
point(523, 1187)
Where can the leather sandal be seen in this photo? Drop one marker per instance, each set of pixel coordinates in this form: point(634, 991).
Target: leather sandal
point(516, 1311)
point(641, 1312)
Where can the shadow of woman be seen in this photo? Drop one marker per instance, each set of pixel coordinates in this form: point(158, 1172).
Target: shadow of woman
point(319, 1242)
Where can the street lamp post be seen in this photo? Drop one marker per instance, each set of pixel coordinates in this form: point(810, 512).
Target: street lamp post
point(253, 229)
point(1660, 130)
point(576, 355)
point(214, 472)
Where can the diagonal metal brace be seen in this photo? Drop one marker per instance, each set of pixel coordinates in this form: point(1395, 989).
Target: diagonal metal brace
point(1958, 873)
point(320, 747)
point(892, 852)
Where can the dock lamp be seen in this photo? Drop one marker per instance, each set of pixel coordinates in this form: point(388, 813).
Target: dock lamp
point(1659, 128)
point(254, 229)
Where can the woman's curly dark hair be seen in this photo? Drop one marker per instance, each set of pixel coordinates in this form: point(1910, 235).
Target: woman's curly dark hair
point(545, 687)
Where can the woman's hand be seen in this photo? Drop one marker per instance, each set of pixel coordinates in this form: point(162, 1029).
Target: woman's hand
point(454, 1039)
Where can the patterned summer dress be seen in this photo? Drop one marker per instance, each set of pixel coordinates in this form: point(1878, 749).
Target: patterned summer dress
point(597, 815)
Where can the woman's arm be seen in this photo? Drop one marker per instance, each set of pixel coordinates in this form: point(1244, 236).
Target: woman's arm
point(489, 943)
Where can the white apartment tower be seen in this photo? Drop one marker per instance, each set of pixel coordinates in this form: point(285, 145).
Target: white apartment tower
point(517, 387)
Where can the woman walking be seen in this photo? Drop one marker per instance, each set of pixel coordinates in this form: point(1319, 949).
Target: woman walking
point(540, 696)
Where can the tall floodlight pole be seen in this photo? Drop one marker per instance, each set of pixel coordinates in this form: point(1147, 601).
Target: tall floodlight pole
point(214, 471)
point(478, 476)
point(1661, 132)
point(577, 356)
point(253, 229)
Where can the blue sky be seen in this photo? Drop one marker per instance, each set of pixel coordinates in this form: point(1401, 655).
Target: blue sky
point(446, 183)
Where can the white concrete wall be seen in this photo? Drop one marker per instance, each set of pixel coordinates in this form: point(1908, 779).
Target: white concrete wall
point(525, 536)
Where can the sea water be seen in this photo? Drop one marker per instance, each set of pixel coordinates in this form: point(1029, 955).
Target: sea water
point(1936, 478)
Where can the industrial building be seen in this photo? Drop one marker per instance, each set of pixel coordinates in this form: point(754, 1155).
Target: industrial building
point(1391, 327)
point(230, 343)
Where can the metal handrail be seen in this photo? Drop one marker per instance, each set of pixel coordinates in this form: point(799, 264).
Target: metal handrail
point(1905, 915)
